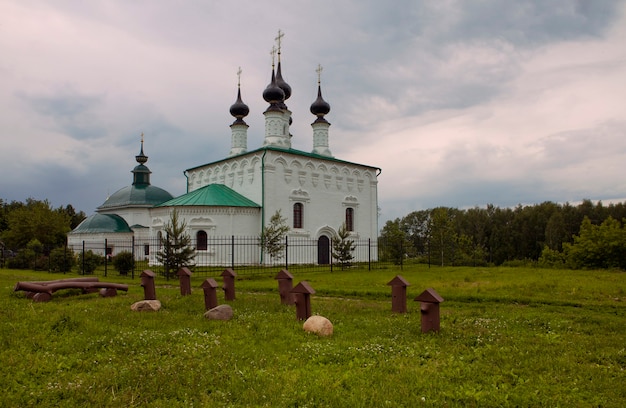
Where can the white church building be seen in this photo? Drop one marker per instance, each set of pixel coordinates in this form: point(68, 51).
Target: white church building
point(236, 197)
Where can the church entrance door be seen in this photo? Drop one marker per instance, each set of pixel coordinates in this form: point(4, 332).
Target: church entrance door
point(323, 250)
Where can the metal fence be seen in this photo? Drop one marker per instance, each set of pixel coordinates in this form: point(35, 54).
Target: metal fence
point(243, 254)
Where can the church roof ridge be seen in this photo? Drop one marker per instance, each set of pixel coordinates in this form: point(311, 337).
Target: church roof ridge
point(284, 150)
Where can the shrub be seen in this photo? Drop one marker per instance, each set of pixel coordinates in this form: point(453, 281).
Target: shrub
point(62, 260)
point(551, 258)
point(89, 261)
point(124, 262)
point(22, 260)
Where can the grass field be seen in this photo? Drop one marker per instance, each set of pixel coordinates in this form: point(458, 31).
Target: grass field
point(509, 337)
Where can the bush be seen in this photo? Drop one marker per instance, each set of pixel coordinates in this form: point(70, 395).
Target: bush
point(124, 262)
point(62, 260)
point(41, 263)
point(22, 260)
point(551, 258)
point(88, 262)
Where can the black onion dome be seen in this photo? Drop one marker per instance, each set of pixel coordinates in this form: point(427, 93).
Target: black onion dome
point(320, 107)
point(239, 109)
point(281, 83)
point(272, 93)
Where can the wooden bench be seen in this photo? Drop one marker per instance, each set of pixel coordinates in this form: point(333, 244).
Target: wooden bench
point(42, 291)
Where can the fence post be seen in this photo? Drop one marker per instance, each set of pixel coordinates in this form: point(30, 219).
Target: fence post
point(232, 252)
point(369, 254)
point(106, 256)
point(65, 257)
point(286, 252)
point(132, 273)
point(330, 253)
point(83, 263)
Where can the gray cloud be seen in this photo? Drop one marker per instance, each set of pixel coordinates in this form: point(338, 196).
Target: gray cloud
point(67, 111)
point(461, 103)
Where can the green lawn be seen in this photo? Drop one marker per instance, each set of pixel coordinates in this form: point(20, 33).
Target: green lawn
point(509, 337)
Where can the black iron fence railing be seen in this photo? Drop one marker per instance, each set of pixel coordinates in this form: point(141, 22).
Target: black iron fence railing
point(243, 254)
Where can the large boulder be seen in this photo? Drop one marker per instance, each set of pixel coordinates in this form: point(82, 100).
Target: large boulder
point(220, 312)
point(146, 306)
point(318, 325)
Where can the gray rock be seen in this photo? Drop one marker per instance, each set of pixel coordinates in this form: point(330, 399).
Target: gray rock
point(318, 325)
point(221, 312)
point(146, 306)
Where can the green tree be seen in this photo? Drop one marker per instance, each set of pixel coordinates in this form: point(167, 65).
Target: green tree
point(415, 225)
point(176, 250)
point(35, 220)
point(598, 246)
point(272, 238)
point(442, 235)
point(393, 242)
point(343, 246)
point(75, 217)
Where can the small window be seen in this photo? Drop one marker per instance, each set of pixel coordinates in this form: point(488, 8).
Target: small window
point(297, 215)
point(201, 241)
point(350, 219)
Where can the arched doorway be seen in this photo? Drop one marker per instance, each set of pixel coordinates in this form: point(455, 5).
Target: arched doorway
point(323, 250)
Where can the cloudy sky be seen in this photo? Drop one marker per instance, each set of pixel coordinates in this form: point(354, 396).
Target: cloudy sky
point(460, 103)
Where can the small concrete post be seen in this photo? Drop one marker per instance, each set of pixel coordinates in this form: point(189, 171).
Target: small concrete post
point(210, 293)
point(184, 277)
point(429, 308)
point(285, 284)
point(229, 284)
point(302, 297)
point(147, 281)
point(398, 294)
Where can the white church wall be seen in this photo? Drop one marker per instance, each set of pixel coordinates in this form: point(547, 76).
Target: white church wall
point(219, 223)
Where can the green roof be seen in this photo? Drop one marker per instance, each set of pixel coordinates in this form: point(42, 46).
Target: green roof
point(102, 223)
point(215, 195)
point(136, 195)
point(289, 151)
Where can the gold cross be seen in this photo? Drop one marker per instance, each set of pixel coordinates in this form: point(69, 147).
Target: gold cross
point(319, 73)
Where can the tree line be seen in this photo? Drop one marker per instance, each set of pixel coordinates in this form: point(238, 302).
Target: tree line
point(586, 235)
point(31, 230)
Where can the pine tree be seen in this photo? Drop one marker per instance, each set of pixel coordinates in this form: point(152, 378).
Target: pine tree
point(176, 250)
point(272, 236)
point(342, 246)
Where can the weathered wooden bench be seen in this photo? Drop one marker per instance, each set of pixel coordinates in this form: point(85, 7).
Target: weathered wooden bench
point(41, 291)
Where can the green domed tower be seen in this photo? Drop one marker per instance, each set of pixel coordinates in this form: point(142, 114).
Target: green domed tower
point(140, 194)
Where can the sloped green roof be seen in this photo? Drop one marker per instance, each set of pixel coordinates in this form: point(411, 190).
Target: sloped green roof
point(102, 223)
point(215, 195)
point(143, 195)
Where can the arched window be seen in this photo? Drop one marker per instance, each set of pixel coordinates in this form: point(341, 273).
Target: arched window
point(350, 219)
point(201, 241)
point(297, 215)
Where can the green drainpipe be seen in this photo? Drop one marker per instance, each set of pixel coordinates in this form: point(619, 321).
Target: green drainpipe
point(263, 197)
